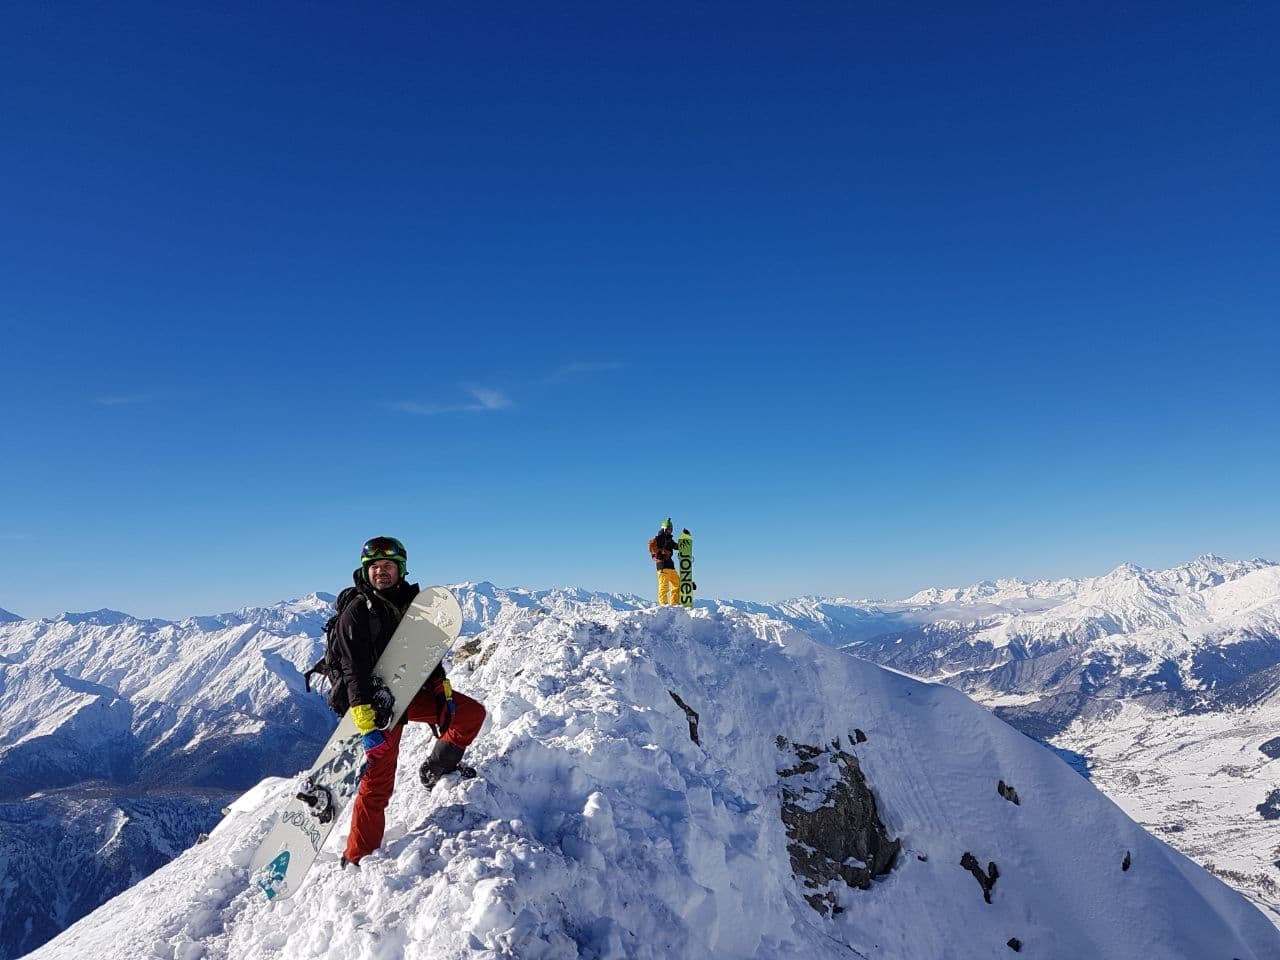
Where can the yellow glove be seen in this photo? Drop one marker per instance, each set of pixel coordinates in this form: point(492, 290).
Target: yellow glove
point(363, 715)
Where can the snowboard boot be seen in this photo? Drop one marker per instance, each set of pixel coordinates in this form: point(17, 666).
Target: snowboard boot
point(444, 760)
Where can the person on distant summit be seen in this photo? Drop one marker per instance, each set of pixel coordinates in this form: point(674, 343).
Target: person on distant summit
point(360, 635)
point(662, 549)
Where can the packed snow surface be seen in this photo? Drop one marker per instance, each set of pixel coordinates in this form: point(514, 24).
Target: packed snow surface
point(598, 827)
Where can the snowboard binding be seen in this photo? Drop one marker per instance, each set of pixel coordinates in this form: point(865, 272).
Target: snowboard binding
point(383, 702)
point(320, 800)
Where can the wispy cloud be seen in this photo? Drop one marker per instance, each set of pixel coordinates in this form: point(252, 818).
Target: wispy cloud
point(578, 368)
point(121, 400)
point(488, 399)
point(483, 400)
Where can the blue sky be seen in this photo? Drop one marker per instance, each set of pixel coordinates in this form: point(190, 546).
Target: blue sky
point(870, 299)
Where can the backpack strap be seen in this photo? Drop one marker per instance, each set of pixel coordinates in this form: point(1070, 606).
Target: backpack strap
point(326, 667)
point(320, 667)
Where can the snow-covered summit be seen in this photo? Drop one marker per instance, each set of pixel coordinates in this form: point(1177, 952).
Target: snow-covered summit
point(654, 784)
point(100, 618)
point(484, 603)
point(7, 617)
point(1200, 574)
point(991, 591)
point(1204, 573)
point(305, 615)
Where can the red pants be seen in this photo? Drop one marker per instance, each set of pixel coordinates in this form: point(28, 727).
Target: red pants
point(368, 812)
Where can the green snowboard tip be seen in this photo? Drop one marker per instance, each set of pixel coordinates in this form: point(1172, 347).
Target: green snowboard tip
point(275, 872)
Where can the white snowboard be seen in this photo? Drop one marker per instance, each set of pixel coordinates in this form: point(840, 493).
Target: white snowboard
point(429, 628)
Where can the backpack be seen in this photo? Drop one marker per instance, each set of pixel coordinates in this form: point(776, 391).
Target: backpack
point(657, 552)
point(328, 666)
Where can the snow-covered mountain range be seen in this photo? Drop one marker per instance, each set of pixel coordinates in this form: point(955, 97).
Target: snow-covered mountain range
point(664, 783)
point(1186, 636)
point(127, 735)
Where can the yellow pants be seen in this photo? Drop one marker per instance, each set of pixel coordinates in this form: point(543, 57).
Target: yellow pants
point(669, 588)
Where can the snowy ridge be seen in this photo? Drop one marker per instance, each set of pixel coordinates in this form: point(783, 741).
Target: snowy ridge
point(213, 703)
point(484, 604)
point(305, 615)
point(600, 826)
point(1200, 574)
point(1164, 684)
point(994, 592)
point(1124, 671)
point(1128, 633)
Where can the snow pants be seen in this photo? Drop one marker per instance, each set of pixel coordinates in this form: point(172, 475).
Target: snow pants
point(669, 588)
point(368, 811)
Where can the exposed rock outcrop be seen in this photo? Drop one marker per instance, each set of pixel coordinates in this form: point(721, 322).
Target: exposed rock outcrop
point(831, 819)
point(1006, 790)
point(690, 713)
point(987, 880)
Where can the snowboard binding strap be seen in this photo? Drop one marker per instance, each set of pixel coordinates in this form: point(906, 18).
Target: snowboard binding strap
point(320, 800)
point(383, 703)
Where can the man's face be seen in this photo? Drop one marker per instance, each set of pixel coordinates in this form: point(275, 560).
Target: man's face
point(383, 574)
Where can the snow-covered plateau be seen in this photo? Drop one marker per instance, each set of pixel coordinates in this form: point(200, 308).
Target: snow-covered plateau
point(598, 827)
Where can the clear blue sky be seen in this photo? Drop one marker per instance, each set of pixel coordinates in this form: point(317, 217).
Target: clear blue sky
point(870, 297)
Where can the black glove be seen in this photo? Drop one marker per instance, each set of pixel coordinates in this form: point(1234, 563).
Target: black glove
point(384, 705)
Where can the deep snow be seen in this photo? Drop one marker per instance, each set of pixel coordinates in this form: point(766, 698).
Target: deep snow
point(598, 828)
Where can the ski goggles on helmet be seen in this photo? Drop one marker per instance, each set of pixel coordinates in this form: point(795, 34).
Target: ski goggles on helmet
point(383, 548)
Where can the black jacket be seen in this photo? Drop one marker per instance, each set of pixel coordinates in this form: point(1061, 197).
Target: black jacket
point(665, 546)
point(363, 630)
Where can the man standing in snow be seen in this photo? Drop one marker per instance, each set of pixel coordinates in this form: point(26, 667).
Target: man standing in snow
point(360, 635)
point(662, 549)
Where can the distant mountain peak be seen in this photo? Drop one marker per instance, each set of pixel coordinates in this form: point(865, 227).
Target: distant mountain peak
point(7, 617)
point(1205, 572)
point(990, 591)
point(1208, 570)
point(97, 618)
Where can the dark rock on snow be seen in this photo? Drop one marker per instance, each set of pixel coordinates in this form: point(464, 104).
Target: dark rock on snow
point(832, 822)
point(987, 880)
